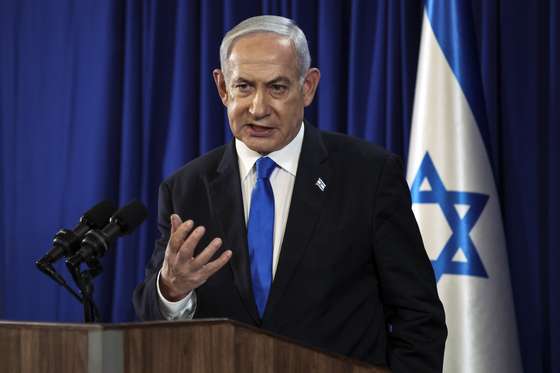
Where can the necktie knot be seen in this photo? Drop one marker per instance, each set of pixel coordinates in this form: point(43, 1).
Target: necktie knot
point(265, 166)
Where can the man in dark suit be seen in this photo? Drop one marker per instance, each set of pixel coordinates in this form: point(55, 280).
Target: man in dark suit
point(305, 233)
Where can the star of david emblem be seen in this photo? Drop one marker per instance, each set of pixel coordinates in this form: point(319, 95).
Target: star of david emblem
point(460, 242)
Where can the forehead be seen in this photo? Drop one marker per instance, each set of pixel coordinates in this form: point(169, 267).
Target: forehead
point(261, 52)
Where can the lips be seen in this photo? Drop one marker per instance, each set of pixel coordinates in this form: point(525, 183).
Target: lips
point(259, 131)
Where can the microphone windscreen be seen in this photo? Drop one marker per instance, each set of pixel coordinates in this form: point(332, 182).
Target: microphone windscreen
point(99, 215)
point(130, 216)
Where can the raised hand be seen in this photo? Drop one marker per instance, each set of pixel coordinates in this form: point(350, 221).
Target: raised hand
point(181, 271)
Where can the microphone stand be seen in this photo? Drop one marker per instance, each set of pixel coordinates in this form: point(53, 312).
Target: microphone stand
point(94, 245)
point(49, 270)
point(84, 281)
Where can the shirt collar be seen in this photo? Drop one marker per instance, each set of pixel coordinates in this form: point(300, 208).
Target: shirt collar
point(287, 157)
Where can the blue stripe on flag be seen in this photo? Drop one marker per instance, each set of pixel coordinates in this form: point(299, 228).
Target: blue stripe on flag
point(452, 23)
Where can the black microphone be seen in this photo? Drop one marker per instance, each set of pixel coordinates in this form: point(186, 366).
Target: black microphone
point(96, 242)
point(66, 242)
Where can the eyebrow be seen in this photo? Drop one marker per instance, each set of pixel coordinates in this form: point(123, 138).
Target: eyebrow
point(280, 79)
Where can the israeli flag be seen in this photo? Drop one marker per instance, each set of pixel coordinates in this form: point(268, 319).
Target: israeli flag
point(454, 196)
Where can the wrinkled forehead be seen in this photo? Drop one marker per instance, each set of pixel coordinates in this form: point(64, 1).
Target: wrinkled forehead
point(264, 48)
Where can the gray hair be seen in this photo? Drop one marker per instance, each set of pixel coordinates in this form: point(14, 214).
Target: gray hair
point(275, 24)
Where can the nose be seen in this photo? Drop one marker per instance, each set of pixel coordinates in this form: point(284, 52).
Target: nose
point(259, 105)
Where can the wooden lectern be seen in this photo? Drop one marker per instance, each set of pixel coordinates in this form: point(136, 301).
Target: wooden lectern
point(198, 346)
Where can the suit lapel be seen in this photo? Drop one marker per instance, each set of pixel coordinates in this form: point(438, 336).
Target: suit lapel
point(227, 205)
point(305, 209)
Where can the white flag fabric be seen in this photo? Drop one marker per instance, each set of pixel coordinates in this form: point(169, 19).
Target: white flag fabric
point(454, 196)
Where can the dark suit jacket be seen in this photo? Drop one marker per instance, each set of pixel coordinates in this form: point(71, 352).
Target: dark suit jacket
point(353, 276)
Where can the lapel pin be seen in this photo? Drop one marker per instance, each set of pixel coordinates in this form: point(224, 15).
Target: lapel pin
point(321, 184)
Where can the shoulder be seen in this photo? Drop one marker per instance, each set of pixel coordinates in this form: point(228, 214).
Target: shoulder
point(192, 171)
point(352, 149)
point(361, 163)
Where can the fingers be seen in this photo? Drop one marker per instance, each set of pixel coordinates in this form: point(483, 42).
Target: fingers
point(206, 254)
point(178, 236)
point(175, 222)
point(200, 264)
point(186, 251)
point(213, 267)
point(183, 242)
point(181, 272)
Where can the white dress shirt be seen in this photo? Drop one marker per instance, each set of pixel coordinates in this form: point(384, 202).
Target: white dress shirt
point(282, 181)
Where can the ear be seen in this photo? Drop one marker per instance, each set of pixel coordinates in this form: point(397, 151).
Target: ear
point(310, 83)
point(220, 85)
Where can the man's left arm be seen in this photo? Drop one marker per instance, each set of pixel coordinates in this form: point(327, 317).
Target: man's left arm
point(413, 312)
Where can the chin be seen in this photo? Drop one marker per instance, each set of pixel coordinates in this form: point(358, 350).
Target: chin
point(261, 147)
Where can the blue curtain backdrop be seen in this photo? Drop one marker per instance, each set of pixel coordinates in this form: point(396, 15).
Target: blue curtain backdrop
point(102, 99)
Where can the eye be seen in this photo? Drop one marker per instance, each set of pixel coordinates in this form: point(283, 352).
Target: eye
point(278, 89)
point(242, 87)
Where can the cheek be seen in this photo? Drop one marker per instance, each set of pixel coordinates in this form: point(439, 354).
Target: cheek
point(235, 114)
point(291, 113)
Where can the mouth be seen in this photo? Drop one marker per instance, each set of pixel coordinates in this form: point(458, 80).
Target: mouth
point(259, 131)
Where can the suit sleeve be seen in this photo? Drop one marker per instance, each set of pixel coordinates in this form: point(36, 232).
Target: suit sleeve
point(145, 298)
point(414, 314)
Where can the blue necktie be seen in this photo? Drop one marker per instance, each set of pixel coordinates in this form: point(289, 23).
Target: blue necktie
point(260, 232)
